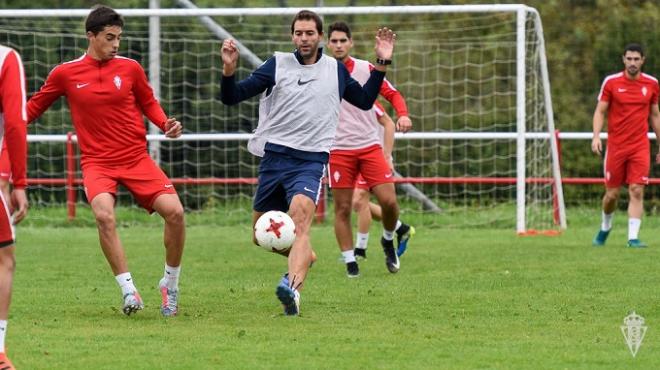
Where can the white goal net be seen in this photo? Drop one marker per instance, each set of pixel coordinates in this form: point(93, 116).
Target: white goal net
point(474, 78)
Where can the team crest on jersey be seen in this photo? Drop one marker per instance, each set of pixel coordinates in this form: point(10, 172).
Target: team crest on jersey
point(117, 82)
point(644, 91)
point(336, 175)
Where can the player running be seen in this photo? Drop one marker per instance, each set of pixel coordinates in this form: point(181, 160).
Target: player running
point(298, 114)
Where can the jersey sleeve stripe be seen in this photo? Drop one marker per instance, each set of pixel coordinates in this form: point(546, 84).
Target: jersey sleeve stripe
point(610, 77)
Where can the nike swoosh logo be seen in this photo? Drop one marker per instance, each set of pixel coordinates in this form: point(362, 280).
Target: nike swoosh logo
point(80, 86)
point(169, 186)
point(622, 90)
point(301, 82)
point(309, 190)
point(388, 175)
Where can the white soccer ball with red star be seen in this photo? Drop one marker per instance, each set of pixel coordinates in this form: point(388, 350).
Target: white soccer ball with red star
point(275, 231)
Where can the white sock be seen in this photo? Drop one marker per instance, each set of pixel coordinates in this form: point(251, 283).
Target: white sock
point(633, 228)
point(3, 331)
point(349, 256)
point(125, 282)
point(606, 224)
point(388, 235)
point(398, 225)
point(171, 277)
point(361, 240)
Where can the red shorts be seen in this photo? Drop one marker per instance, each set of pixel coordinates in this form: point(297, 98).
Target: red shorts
point(346, 165)
point(6, 228)
point(627, 166)
point(143, 178)
point(5, 166)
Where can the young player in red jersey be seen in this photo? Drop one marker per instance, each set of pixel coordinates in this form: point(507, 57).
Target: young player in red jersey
point(107, 95)
point(627, 98)
point(357, 150)
point(13, 124)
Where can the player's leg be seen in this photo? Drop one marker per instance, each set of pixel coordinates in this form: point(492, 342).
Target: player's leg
point(169, 207)
point(385, 193)
point(100, 187)
point(635, 211)
point(361, 207)
point(637, 171)
point(7, 267)
point(379, 176)
point(7, 253)
point(614, 168)
point(403, 230)
point(342, 174)
point(302, 181)
point(103, 209)
point(376, 211)
point(154, 192)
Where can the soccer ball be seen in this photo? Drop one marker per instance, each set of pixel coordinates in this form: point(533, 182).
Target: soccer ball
point(275, 231)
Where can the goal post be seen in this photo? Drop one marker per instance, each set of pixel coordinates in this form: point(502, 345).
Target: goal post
point(474, 76)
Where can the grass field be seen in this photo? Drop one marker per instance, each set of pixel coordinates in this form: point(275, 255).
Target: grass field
point(464, 299)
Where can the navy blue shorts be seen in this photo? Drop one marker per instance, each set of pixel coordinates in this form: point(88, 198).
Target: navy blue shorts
point(282, 176)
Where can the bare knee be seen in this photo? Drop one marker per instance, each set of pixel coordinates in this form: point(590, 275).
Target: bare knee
point(8, 262)
point(611, 196)
point(343, 210)
point(388, 203)
point(175, 215)
point(105, 220)
point(636, 192)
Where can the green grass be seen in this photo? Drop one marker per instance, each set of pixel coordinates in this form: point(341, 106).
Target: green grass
point(464, 299)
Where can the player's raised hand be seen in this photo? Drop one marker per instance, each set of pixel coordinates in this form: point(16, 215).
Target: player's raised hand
point(385, 39)
point(19, 202)
point(596, 145)
point(173, 128)
point(403, 124)
point(229, 57)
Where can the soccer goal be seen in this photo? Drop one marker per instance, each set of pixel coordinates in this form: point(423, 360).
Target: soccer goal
point(483, 152)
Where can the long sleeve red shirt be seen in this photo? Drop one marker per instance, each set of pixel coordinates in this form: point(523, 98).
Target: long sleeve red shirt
point(387, 90)
point(12, 112)
point(107, 100)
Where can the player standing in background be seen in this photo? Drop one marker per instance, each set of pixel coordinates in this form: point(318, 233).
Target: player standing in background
point(12, 130)
point(298, 114)
point(358, 150)
point(107, 95)
point(627, 98)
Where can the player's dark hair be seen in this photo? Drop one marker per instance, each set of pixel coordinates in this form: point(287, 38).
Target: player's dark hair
point(634, 47)
point(341, 27)
point(308, 15)
point(100, 17)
